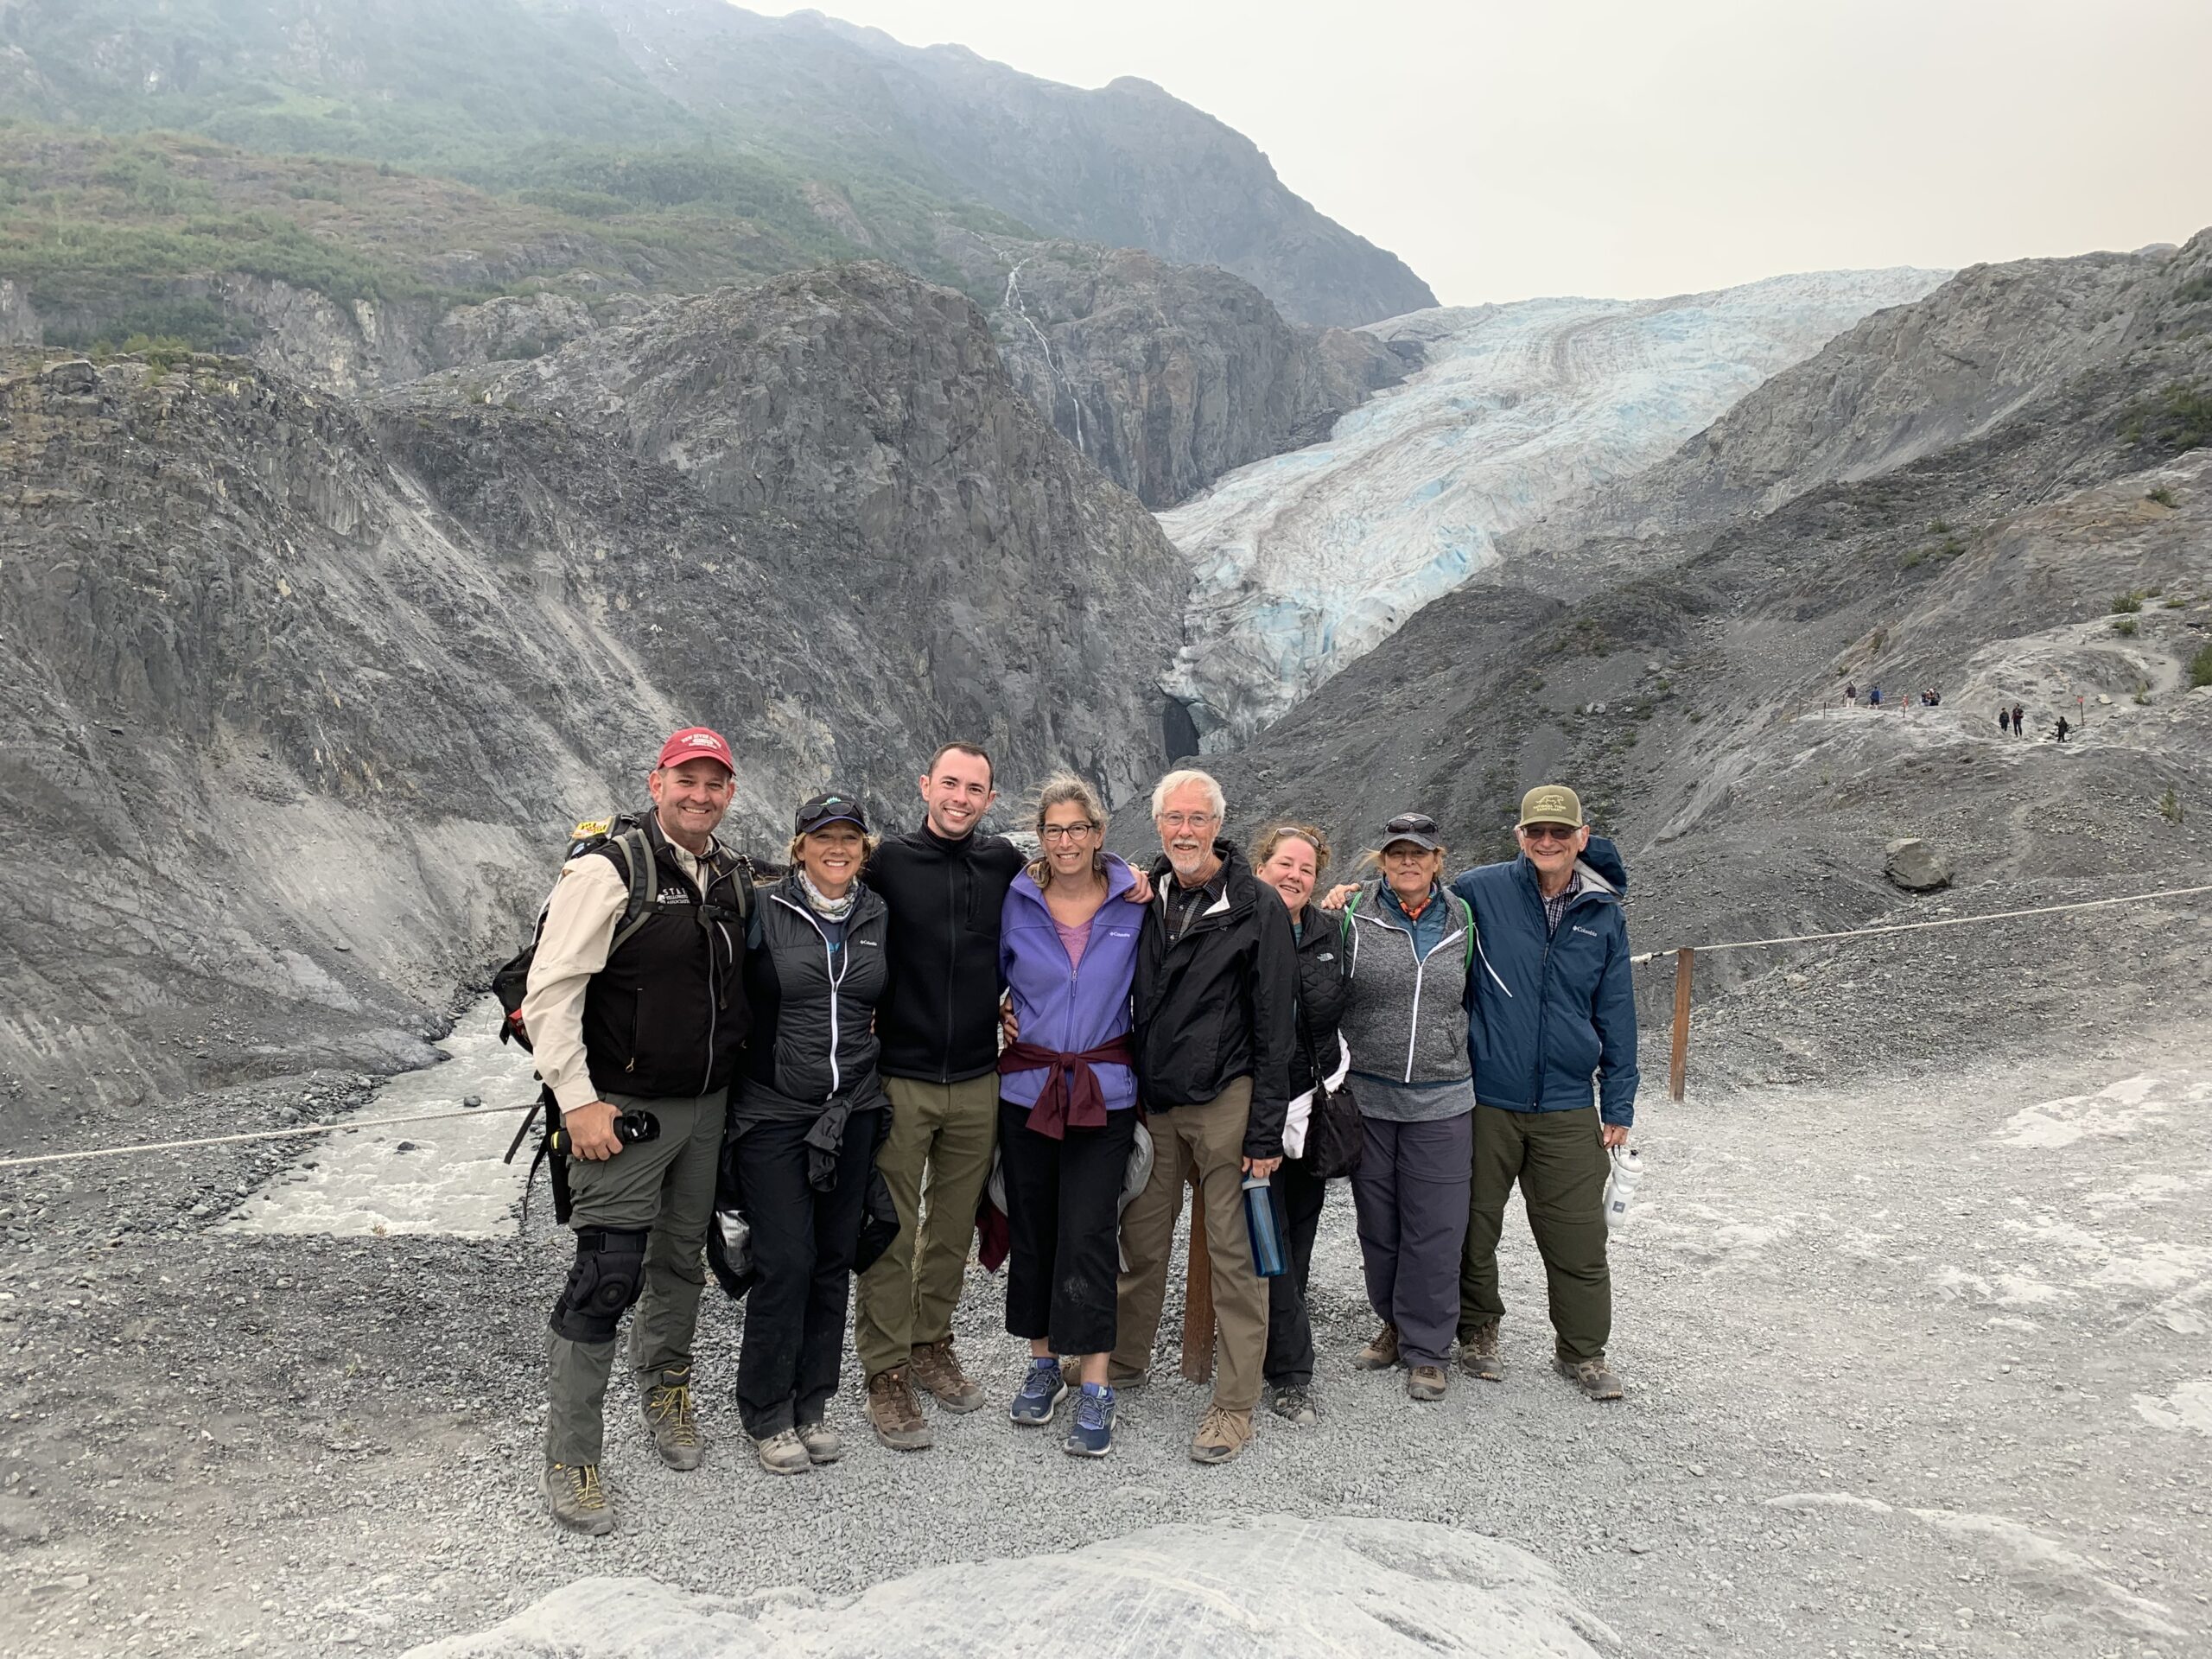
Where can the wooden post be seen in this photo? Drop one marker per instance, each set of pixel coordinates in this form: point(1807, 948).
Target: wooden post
point(1198, 1296)
point(1678, 1073)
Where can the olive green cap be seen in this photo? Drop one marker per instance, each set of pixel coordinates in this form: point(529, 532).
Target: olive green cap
point(1551, 803)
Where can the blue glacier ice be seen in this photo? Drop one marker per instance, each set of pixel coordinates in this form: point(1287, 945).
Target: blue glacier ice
point(1304, 562)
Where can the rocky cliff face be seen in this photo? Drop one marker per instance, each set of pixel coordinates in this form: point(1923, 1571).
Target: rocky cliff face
point(299, 699)
point(1692, 691)
point(1166, 377)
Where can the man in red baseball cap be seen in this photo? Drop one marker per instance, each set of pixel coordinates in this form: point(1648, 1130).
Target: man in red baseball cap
point(639, 1009)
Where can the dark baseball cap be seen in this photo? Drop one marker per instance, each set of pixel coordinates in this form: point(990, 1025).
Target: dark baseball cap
point(1415, 827)
point(832, 808)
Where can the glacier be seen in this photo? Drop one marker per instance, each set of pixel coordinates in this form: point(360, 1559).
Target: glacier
point(1307, 560)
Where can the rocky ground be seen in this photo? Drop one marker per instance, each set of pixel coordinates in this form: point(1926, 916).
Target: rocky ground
point(1916, 1348)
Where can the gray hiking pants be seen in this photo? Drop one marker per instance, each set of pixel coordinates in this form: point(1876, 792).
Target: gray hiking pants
point(666, 1186)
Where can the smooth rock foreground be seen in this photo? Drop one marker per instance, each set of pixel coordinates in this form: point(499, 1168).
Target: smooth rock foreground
point(1272, 1586)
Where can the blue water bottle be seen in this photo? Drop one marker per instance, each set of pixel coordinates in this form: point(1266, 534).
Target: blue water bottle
point(1260, 1216)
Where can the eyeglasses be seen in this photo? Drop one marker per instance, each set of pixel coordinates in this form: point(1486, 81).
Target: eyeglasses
point(1186, 820)
point(1410, 824)
point(1548, 831)
point(1065, 832)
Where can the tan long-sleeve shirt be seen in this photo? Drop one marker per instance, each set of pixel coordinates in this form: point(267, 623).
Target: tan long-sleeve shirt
point(580, 919)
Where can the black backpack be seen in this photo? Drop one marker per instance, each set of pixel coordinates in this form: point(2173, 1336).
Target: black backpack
point(625, 833)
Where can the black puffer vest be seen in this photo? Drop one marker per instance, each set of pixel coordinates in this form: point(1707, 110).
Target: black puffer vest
point(667, 1015)
point(814, 1005)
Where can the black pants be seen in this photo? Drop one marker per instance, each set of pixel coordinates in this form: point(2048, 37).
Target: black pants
point(1063, 1229)
point(1298, 1197)
point(803, 1245)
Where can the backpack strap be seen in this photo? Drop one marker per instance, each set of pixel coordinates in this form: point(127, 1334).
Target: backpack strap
point(635, 854)
point(1466, 921)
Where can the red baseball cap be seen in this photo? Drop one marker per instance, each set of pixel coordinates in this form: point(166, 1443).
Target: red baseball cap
point(695, 743)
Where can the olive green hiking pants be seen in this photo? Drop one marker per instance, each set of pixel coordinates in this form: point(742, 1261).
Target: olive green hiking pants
point(1559, 1159)
point(666, 1185)
point(945, 1131)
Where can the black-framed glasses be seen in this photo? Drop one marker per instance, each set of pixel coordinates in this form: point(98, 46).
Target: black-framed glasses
point(1066, 831)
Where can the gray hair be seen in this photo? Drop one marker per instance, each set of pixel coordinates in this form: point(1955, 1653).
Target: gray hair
point(1063, 789)
point(1216, 801)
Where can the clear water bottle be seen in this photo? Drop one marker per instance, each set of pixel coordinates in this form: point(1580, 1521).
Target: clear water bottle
point(1620, 1188)
point(1268, 1260)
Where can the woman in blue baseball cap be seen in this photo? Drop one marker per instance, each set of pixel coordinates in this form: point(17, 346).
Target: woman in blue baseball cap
point(805, 1119)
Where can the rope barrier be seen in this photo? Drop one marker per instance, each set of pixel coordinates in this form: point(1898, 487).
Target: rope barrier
point(1910, 927)
point(259, 1134)
point(1686, 956)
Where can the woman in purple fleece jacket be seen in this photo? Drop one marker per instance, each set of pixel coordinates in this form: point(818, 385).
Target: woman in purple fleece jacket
point(1067, 1106)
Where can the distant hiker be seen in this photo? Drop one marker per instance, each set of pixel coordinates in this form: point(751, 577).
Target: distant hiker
point(1410, 944)
point(1851, 694)
point(2019, 720)
point(1290, 858)
point(945, 884)
point(2005, 720)
point(1067, 1115)
point(1554, 1010)
point(653, 1025)
point(2062, 728)
point(806, 1126)
point(1873, 696)
point(1216, 1023)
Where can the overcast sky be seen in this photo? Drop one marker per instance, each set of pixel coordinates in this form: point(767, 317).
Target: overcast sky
point(1630, 148)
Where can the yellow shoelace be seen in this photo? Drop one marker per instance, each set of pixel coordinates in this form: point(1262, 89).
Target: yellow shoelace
point(584, 1484)
point(676, 1402)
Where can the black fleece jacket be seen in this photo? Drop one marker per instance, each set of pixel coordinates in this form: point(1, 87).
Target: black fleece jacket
point(1220, 1001)
point(939, 1021)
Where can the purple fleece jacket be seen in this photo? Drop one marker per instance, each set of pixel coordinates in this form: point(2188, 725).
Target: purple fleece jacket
point(1066, 1009)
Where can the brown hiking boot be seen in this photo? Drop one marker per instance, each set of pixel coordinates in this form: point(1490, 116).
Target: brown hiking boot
point(1478, 1355)
point(1593, 1377)
point(1221, 1436)
point(578, 1502)
point(669, 1418)
point(1425, 1382)
point(937, 1369)
point(894, 1414)
point(1382, 1353)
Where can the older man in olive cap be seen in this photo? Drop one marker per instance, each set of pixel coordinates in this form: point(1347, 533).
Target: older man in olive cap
point(1552, 1023)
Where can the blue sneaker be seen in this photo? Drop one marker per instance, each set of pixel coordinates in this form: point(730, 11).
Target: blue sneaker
point(1092, 1435)
point(1040, 1394)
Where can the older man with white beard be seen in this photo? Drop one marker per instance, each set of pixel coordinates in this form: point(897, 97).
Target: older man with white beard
point(1215, 1022)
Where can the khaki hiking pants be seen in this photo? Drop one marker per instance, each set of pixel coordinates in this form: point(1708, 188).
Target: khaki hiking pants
point(1559, 1161)
point(1208, 1137)
point(946, 1131)
point(667, 1185)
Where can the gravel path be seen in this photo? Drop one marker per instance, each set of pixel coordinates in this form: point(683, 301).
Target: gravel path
point(1916, 1364)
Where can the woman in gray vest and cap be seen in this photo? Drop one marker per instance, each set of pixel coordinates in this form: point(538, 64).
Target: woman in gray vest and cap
point(1409, 944)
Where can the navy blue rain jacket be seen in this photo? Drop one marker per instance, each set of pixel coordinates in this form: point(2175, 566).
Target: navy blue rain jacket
point(1545, 1016)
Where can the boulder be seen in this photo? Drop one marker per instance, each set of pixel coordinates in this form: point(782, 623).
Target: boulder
point(1915, 866)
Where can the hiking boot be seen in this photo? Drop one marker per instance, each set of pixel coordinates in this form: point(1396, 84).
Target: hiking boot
point(670, 1421)
point(1091, 1434)
point(823, 1444)
point(572, 1491)
point(1294, 1403)
point(1221, 1435)
point(1478, 1355)
point(1425, 1382)
point(1380, 1354)
point(937, 1369)
point(783, 1453)
point(894, 1414)
point(1043, 1387)
point(1593, 1377)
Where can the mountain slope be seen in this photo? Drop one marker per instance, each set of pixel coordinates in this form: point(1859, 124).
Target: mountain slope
point(803, 126)
point(2059, 556)
point(1307, 560)
point(298, 700)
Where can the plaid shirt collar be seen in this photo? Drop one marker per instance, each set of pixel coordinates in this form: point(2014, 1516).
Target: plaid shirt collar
point(1556, 904)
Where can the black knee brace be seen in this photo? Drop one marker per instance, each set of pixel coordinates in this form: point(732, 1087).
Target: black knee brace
point(609, 1274)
